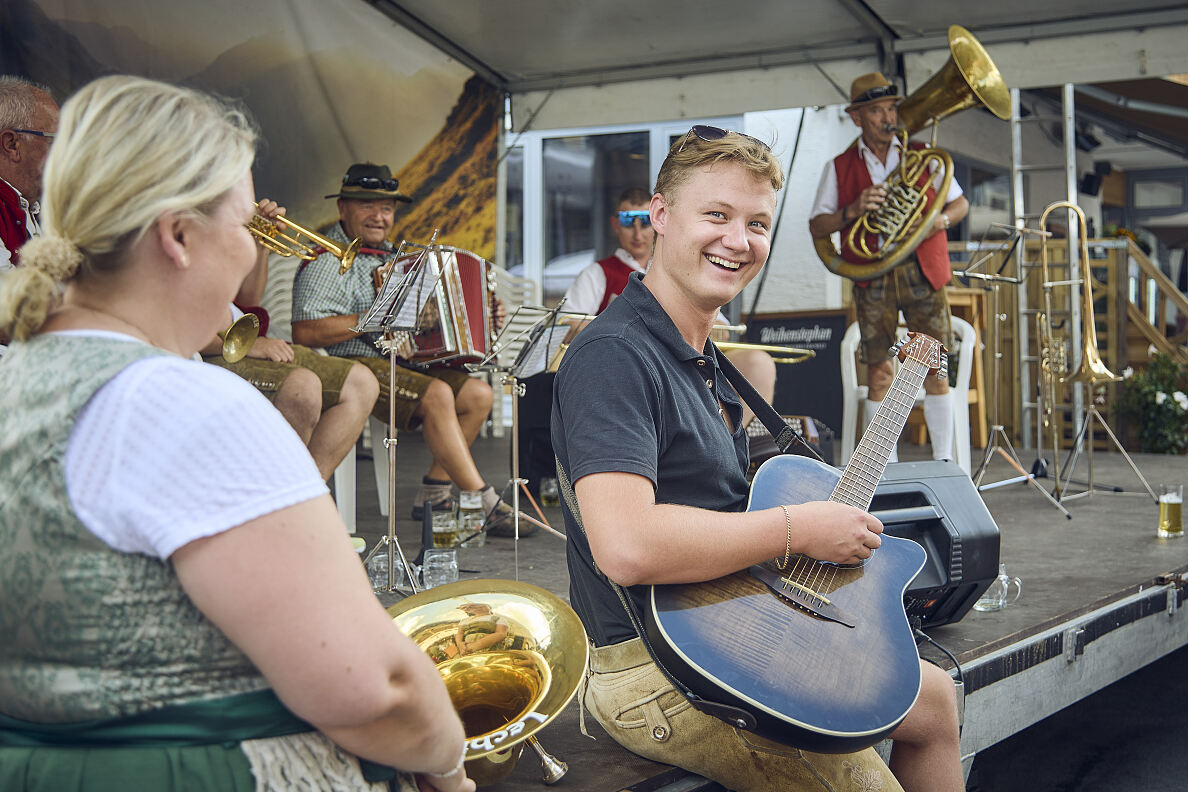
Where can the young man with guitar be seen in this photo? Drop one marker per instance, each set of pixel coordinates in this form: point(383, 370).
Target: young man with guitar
point(646, 427)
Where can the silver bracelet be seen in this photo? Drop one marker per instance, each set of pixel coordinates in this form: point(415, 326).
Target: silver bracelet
point(461, 764)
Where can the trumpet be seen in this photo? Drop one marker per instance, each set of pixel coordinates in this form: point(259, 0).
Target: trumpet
point(287, 245)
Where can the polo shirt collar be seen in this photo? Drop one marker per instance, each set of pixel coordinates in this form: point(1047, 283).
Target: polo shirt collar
point(658, 321)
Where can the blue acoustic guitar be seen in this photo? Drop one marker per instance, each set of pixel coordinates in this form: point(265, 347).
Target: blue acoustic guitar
point(820, 654)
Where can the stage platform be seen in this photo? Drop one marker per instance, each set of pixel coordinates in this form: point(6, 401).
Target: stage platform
point(1101, 599)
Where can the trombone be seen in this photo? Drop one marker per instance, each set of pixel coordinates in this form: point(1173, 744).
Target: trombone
point(271, 237)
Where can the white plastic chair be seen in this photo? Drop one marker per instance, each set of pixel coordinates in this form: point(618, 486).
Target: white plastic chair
point(854, 395)
point(514, 292)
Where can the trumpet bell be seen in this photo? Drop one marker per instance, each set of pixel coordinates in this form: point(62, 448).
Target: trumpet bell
point(511, 655)
point(239, 337)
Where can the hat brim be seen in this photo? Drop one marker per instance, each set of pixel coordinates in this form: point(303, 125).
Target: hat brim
point(855, 105)
point(371, 195)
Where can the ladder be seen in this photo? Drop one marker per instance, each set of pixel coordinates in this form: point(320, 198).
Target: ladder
point(1026, 316)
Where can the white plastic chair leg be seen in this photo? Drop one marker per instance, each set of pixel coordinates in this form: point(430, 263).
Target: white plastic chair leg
point(344, 490)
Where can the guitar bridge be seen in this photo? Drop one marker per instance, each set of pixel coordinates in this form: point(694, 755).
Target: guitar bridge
point(801, 596)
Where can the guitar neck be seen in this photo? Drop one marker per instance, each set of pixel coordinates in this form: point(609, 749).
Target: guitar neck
point(862, 474)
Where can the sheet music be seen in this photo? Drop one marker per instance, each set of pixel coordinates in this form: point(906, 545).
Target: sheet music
point(410, 291)
point(539, 351)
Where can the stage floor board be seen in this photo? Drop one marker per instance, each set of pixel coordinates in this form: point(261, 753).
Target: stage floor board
point(1072, 571)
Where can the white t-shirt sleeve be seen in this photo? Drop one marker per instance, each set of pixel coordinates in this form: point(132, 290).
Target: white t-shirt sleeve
point(170, 451)
point(585, 293)
point(826, 200)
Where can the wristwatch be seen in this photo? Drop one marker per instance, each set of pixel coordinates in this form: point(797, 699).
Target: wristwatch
point(945, 220)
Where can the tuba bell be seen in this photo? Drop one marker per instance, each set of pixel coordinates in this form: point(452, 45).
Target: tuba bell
point(511, 655)
point(968, 79)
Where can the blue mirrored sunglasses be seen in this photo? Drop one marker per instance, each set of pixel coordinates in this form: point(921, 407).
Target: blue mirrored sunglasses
point(627, 219)
point(711, 133)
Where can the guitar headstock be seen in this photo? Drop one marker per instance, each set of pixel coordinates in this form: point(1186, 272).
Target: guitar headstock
point(925, 350)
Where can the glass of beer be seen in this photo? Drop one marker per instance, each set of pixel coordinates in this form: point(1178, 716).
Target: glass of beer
point(445, 529)
point(1171, 499)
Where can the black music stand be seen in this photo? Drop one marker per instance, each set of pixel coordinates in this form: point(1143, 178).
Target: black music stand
point(542, 342)
point(997, 431)
point(390, 320)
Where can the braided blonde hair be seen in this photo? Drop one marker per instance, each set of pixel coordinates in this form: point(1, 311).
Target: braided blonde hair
point(128, 150)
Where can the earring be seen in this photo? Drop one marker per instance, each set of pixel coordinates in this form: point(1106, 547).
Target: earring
point(185, 260)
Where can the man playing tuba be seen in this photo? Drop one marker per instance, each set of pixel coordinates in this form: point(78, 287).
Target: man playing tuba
point(852, 185)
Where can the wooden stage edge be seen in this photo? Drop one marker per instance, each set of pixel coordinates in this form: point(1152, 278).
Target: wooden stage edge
point(1102, 597)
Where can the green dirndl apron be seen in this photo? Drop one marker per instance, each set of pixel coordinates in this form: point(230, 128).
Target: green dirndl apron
point(183, 748)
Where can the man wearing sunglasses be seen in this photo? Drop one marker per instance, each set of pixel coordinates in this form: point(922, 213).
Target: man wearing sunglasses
point(28, 122)
point(448, 403)
point(652, 460)
point(851, 185)
point(595, 286)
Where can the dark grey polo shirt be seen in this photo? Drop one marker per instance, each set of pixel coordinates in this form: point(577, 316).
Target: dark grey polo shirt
point(632, 396)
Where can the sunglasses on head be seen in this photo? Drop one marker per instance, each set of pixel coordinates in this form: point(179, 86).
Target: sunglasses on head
point(371, 183)
point(47, 135)
point(627, 219)
point(711, 133)
point(878, 92)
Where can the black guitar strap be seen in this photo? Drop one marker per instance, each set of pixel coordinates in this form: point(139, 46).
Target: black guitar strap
point(784, 435)
point(735, 716)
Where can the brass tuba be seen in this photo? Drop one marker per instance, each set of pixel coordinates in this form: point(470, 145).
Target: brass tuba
point(511, 655)
point(1053, 354)
point(968, 79)
point(271, 237)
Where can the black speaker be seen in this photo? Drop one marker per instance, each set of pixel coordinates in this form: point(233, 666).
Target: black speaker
point(936, 505)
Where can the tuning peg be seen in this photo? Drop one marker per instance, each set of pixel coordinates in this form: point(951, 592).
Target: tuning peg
point(942, 373)
point(898, 345)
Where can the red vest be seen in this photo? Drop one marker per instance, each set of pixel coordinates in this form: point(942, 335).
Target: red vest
point(617, 272)
point(852, 179)
point(12, 221)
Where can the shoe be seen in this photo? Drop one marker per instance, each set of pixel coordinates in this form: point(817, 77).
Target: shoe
point(500, 521)
point(445, 504)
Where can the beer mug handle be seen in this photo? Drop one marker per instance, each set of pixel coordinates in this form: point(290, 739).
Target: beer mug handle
point(1007, 589)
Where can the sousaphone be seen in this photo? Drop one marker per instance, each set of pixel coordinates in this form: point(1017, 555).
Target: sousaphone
point(968, 79)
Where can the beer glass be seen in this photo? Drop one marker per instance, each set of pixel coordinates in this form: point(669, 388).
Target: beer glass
point(1171, 499)
point(998, 596)
point(440, 566)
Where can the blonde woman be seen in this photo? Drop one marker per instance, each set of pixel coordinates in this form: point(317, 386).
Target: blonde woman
point(174, 612)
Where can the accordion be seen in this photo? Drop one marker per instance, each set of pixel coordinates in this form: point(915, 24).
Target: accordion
point(454, 294)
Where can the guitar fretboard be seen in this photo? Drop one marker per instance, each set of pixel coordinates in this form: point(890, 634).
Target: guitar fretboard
point(862, 474)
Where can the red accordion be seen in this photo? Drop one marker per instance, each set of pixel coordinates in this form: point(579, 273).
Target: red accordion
point(454, 325)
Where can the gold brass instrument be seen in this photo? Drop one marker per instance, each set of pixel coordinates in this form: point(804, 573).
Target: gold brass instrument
point(511, 655)
point(1053, 348)
point(287, 245)
point(904, 220)
point(779, 354)
point(239, 337)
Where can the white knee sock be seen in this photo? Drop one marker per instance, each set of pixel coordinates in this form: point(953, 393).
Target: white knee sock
point(871, 408)
point(938, 417)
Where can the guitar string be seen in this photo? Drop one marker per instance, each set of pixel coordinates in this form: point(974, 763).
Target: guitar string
point(903, 397)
